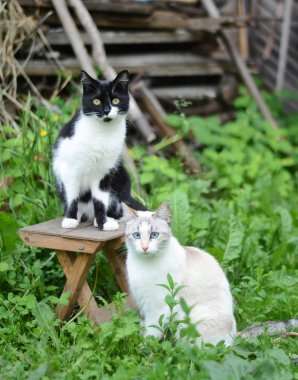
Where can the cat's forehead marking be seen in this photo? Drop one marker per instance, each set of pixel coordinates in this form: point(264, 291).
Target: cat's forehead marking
point(145, 214)
point(144, 226)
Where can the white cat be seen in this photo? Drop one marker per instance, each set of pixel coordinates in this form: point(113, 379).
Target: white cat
point(153, 253)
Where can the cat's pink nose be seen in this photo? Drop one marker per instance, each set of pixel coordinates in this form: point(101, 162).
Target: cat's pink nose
point(145, 248)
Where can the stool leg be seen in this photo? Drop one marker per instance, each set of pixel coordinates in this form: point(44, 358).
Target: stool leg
point(75, 281)
point(85, 299)
point(117, 262)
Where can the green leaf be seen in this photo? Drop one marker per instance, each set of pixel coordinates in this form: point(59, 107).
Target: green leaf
point(30, 301)
point(234, 243)
point(146, 177)
point(286, 223)
point(174, 121)
point(4, 266)
point(170, 301)
point(5, 155)
point(45, 317)
point(170, 281)
point(39, 372)
point(185, 307)
point(8, 235)
point(180, 215)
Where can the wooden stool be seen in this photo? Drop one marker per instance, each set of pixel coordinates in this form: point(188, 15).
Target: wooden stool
point(76, 249)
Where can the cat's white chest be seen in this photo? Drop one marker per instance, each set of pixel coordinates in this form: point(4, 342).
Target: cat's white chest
point(146, 276)
point(93, 150)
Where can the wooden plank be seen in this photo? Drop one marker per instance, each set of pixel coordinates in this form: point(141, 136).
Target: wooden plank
point(186, 92)
point(242, 32)
point(159, 19)
point(100, 6)
point(93, 233)
point(75, 281)
point(160, 59)
point(61, 243)
point(117, 262)
point(205, 67)
point(271, 65)
point(50, 227)
point(84, 231)
point(261, 36)
point(86, 299)
point(57, 37)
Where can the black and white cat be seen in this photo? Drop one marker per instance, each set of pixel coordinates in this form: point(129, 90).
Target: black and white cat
point(90, 176)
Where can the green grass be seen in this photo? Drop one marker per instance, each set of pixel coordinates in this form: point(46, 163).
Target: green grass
point(243, 210)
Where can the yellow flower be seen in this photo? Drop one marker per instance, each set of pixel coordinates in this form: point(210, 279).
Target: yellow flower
point(55, 117)
point(43, 133)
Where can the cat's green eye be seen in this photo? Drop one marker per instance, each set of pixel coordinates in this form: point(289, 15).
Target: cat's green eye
point(154, 235)
point(96, 102)
point(116, 101)
point(136, 235)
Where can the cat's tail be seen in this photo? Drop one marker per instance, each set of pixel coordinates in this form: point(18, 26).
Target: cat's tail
point(270, 327)
point(135, 205)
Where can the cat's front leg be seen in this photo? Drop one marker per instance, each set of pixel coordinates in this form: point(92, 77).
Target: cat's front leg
point(101, 204)
point(152, 323)
point(71, 207)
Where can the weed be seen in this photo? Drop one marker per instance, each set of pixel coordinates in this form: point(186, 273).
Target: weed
point(243, 210)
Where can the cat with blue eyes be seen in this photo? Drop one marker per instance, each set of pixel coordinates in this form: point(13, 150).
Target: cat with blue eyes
point(91, 179)
point(153, 253)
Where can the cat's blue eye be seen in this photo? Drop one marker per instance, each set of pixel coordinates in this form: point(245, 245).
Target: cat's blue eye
point(154, 235)
point(136, 235)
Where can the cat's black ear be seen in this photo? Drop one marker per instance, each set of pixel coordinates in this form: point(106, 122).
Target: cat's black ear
point(163, 212)
point(121, 81)
point(89, 83)
point(128, 213)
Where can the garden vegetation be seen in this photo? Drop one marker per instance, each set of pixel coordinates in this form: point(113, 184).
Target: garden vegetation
point(242, 209)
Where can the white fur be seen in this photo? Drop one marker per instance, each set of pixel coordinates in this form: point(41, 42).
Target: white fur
point(111, 224)
point(206, 287)
point(69, 223)
point(81, 161)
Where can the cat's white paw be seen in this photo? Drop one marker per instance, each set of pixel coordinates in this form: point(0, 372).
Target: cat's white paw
point(95, 223)
point(70, 223)
point(111, 225)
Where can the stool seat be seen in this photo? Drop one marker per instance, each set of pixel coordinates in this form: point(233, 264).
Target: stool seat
point(84, 238)
point(76, 249)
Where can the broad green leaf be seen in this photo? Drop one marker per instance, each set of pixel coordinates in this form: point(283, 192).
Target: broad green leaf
point(8, 235)
point(234, 243)
point(174, 121)
point(146, 177)
point(4, 266)
point(180, 215)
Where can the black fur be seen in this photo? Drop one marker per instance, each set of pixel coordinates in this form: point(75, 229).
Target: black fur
point(72, 209)
point(118, 183)
point(104, 90)
point(100, 213)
